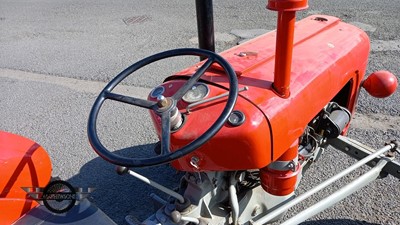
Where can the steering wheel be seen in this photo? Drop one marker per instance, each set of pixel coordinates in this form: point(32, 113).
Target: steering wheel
point(164, 107)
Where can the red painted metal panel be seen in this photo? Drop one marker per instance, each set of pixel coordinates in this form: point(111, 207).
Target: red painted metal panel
point(23, 163)
point(327, 54)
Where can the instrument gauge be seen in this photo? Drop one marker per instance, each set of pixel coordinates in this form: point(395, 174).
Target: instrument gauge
point(198, 92)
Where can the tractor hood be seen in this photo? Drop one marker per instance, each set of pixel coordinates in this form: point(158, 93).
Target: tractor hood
point(328, 55)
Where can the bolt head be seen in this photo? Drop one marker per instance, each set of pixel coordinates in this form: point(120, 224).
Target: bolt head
point(162, 101)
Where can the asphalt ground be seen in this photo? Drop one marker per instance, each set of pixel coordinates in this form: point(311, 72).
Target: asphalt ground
point(56, 55)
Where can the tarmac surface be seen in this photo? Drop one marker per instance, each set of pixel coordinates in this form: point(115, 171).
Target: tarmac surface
point(55, 57)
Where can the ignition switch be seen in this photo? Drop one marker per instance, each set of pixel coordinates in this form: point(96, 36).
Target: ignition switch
point(236, 118)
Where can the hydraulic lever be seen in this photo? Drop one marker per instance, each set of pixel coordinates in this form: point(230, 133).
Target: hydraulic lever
point(121, 170)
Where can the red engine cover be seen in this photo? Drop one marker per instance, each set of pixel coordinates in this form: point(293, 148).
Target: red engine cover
point(327, 56)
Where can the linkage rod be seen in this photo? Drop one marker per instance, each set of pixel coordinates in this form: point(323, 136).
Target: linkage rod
point(358, 151)
point(323, 185)
point(339, 195)
point(157, 185)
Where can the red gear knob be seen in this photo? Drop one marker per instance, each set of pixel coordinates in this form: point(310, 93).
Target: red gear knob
point(380, 84)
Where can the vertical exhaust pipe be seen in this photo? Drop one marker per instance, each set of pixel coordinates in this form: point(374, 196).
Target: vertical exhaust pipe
point(284, 42)
point(205, 25)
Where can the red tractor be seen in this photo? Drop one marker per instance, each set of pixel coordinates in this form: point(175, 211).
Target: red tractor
point(244, 125)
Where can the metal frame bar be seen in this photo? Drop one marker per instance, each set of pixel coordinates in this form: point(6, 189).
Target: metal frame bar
point(359, 151)
point(339, 195)
point(370, 176)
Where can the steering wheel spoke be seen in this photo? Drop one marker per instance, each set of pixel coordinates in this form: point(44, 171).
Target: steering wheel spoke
point(165, 132)
point(130, 100)
point(193, 79)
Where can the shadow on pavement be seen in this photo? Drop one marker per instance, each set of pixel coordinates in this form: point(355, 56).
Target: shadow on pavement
point(119, 195)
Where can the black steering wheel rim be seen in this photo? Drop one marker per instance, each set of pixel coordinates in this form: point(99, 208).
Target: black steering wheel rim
point(106, 93)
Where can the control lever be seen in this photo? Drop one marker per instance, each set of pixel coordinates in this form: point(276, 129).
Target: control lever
point(245, 88)
point(121, 170)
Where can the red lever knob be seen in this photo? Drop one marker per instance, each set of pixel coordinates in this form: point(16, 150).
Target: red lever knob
point(380, 84)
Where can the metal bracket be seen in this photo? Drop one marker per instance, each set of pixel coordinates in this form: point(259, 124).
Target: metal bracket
point(359, 151)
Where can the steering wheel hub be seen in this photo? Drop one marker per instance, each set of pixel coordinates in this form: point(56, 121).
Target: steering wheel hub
point(163, 102)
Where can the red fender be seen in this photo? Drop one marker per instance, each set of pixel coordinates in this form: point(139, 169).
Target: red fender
point(23, 163)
